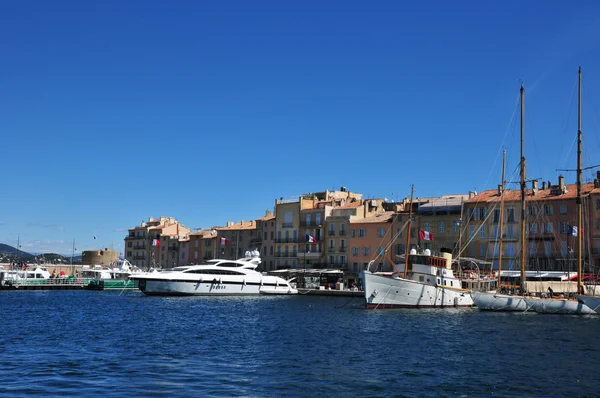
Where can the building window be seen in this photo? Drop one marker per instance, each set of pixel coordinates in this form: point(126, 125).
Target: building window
point(456, 226)
point(366, 251)
point(308, 220)
point(352, 233)
point(548, 210)
point(361, 233)
point(380, 251)
point(381, 232)
point(400, 249)
point(482, 232)
point(510, 231)
point(494, 231)
point(532, 228)
point(563, 209)
point(355, 251)
point(472, 231)
point(510, 215)
point(547, 228)
point(532, 211)
point(441, 226)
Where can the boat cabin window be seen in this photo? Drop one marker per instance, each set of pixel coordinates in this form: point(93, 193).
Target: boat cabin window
point(421, 278)
point(214, 272)
point(426, 260)
point(227, 264)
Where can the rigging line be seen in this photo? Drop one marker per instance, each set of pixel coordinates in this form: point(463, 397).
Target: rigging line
point(481, 225)
point(565, 127)
point(512, 122)
point(594, 114)
point(377, 255)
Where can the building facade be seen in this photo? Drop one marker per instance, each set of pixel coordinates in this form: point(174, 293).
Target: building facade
point(155, 243)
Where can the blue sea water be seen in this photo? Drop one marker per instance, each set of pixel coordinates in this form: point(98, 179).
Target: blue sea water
point(83, 343)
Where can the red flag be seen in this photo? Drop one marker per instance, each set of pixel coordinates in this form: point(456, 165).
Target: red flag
point(426, 235)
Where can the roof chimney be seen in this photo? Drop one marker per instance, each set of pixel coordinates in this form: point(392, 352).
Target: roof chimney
point(534, 186)
point(596, 183)
point(543, 185)
point(499, 189)
point(561, 183)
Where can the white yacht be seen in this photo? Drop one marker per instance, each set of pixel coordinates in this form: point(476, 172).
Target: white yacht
point(429, 282)
point(215, 277)
point(17, 275)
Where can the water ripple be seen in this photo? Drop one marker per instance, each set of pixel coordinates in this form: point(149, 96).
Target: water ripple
point(104, 343)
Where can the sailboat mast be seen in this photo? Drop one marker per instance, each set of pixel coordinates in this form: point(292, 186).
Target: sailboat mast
point(501, 222)
point(578, 202)
point(523, 192)
point(462, 206)
point(406, 251)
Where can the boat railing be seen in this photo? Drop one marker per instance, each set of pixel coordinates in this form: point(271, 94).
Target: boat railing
point(49, 282)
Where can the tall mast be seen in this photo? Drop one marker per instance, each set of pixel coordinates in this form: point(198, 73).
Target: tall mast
point(501, 226)
point(578, 202)
point(523, 192)
point(406, 251)
point(462, 206)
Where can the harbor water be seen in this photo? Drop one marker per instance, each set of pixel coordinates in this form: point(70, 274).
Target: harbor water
point(90, 343)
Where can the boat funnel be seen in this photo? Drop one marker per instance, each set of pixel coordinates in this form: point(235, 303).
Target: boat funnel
point(448, 257)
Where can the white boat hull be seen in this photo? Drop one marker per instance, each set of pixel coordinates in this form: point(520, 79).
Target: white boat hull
point(558, 306)
point(385, 292)
point(593, 302)
point(158, 287)
point(491, 301)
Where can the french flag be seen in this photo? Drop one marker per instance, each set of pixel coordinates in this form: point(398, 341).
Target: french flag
point(223, 241)
point(310, 239)
point(426, 235)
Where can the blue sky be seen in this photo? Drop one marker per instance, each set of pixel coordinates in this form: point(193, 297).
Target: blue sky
point(116, 111)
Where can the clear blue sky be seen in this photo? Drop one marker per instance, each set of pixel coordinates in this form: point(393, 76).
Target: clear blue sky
point(115, 111)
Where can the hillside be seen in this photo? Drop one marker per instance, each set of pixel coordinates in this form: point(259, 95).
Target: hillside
point(8, 254)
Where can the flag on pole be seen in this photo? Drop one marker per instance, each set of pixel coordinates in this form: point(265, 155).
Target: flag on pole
point(310, 239)
point(223, 241)
point(426, 235)
point(573, 230)
point(155, 242)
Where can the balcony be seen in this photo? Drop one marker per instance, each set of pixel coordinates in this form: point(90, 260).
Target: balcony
point(331, 250)
point(343, 249)
point(342, 233)
point(286, 240)
point(139, 257)
point(139, 247)
point(309, 255)
point(330, 233)
point(286, 255)
point(287, 225)
point(173, 248)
